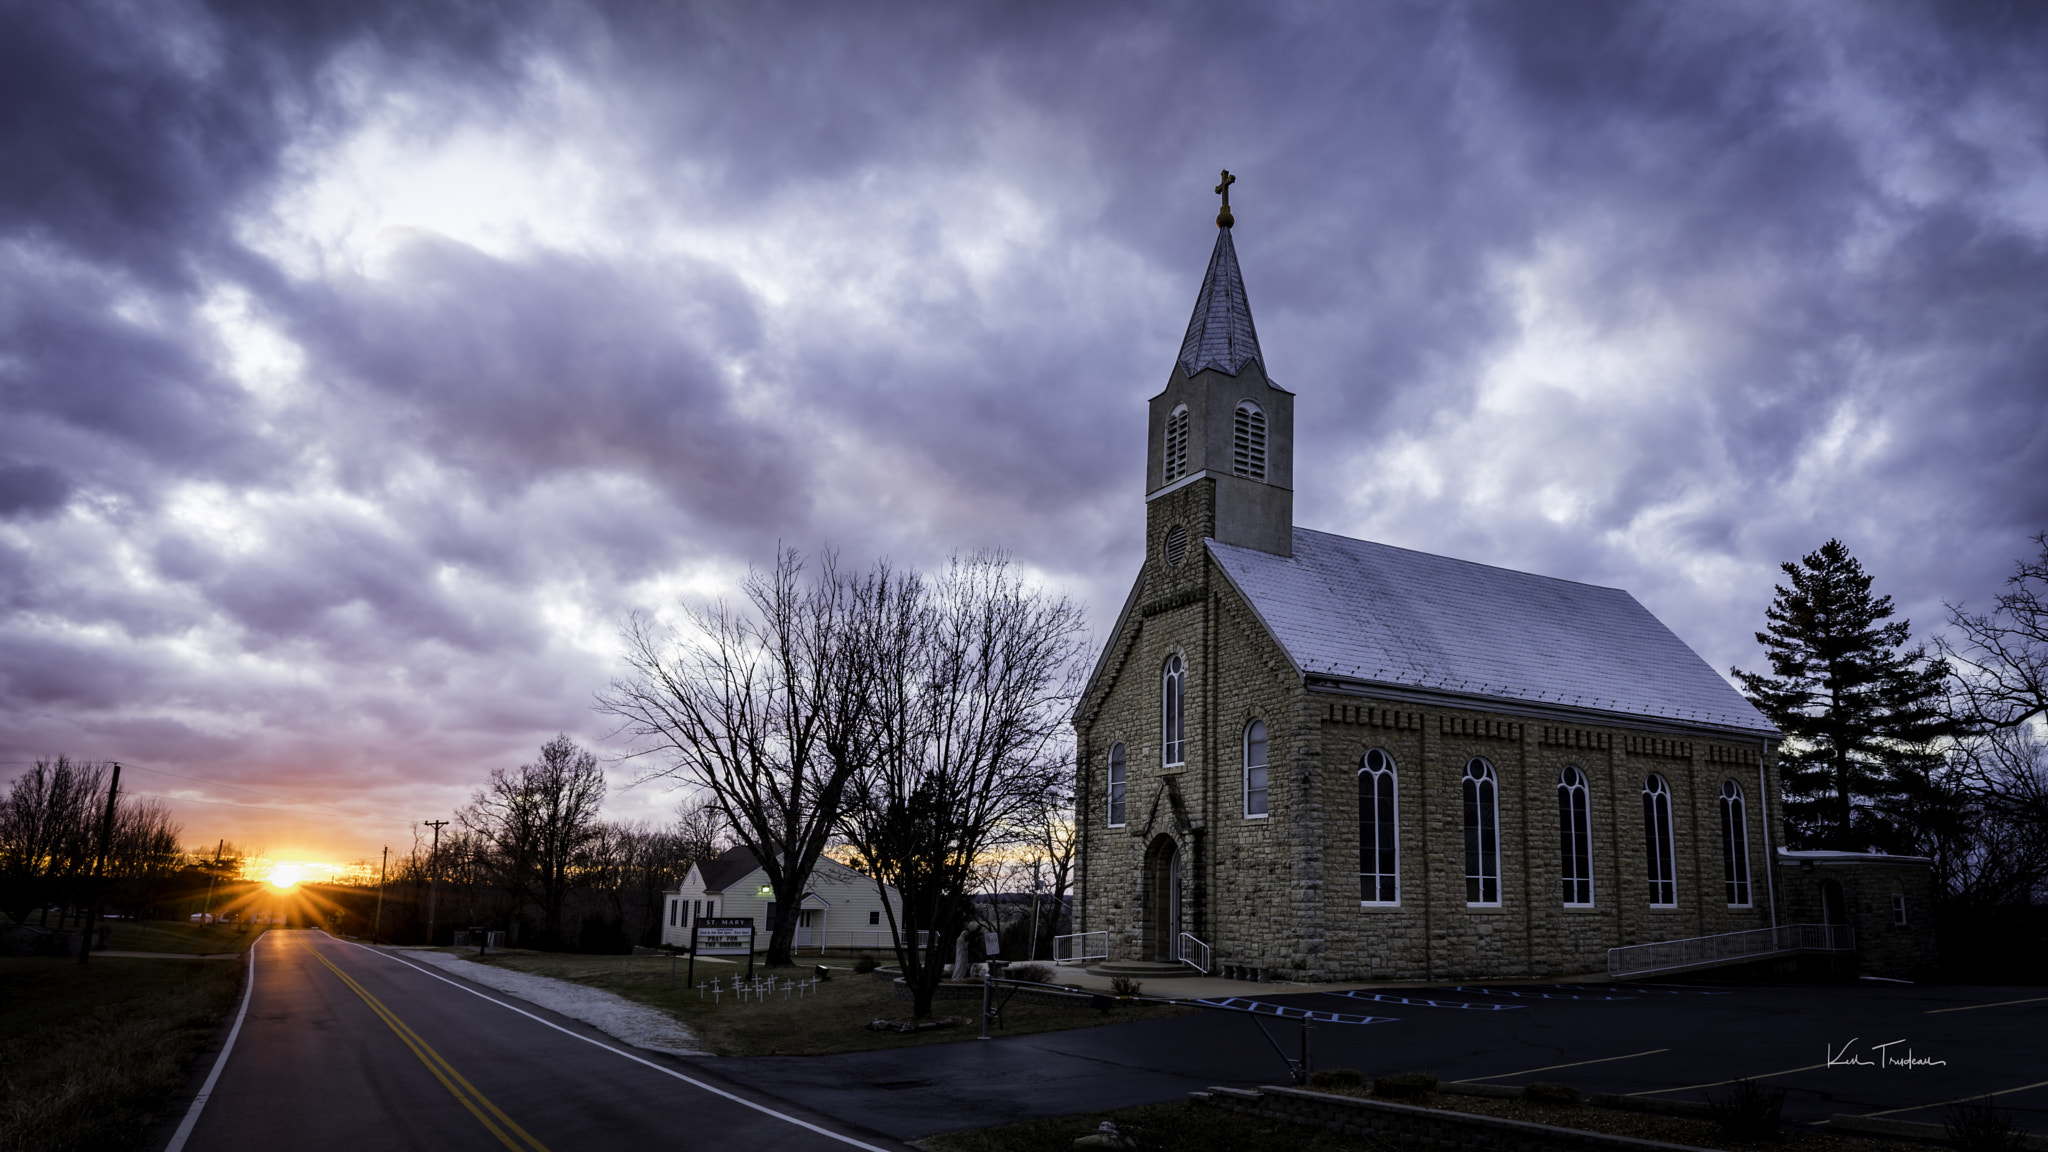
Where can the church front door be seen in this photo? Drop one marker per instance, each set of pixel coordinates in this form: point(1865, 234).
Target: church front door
point(1162, 900)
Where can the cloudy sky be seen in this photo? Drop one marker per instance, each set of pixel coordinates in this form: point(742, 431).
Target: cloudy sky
point(361, 367)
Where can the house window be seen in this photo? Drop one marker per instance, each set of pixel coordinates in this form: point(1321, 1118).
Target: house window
point(1898, 907)
point(672, 906)
point(1734, 845)
point(874, 917)
point(1482, 834)
point(1575, 837)
point(1255, 768)
point(1116, 786)
point(697, 909)
point(1175, 465)
point(1379, 837)
point(1657, 842)
point(1173, 745)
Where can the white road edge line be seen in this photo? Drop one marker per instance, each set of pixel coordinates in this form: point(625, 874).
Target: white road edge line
point(762, 1108)
point(185, 1126)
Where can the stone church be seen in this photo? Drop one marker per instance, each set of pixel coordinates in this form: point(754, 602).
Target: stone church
point(1309, 757)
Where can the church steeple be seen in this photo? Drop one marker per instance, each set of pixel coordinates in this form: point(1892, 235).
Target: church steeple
point(1222, 434)
point(1220, 333)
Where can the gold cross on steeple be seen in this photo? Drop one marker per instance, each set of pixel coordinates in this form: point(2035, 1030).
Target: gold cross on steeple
point(1223, 218)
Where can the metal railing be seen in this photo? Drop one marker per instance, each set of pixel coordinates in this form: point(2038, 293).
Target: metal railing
point(1728, 948)
point(1080, 947)
point(1192, 952)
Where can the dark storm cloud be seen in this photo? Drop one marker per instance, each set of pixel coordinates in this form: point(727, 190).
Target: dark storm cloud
point(316, 469)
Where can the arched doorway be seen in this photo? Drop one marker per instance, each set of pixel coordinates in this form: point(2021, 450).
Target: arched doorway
point(1834, 908)
point(1162, 900)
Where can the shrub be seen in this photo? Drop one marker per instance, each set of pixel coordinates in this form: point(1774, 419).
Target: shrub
point(1336, 1078)
point(1978, 1126)
point(865, 965)
point(1405, 1086)
point(1124, 986)
point(1031, 973)
point(1545, 1092)
point(1748, 1110)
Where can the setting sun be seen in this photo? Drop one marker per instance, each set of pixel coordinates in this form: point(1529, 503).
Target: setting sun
point(283, 876)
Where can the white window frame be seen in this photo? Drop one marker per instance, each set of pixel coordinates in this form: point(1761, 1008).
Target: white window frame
point(1662, 857)
point(1369, 775)
point(1119, 785)
point(1477, 789)
point(874, 917)
point(1174, 454)
point(1173, 718)
point(1575, 826)
point(1264, 766)
point(1735, 875)
point(1248, 441)
point(1898, 908)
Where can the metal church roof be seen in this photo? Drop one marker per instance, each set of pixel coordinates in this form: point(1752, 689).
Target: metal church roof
point(1357, 610)
point(1220, 333)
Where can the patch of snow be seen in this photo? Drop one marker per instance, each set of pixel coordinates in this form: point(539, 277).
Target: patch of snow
point(612, 1014)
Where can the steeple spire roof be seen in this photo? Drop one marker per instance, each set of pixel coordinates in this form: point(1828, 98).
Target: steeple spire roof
point(1220, 333)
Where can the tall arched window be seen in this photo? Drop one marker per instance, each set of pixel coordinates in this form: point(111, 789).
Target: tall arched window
point(1658, 844)
point(1249, 458)
point(1734, 845)
point(1117, 785)
point(1176, 463)
point(1172, 686)
point(1575, 837)
point(1379, 835)
point(1482, 834)
point(1255, 768)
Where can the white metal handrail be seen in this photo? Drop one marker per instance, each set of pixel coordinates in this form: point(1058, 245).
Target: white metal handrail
point(1080, 947)
point(1728, 947)
point(1192, 952)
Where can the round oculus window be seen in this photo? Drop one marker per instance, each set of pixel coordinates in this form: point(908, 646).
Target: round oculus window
point(1176, 546)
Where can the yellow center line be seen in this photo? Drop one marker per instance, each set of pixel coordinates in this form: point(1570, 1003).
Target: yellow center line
point(464, 1092)
point(1731, 1080)
point(1553, 1067)
point(2000, 1004)
point(1960, 1099)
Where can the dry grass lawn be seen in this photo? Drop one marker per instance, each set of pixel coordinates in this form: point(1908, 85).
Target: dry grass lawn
point(182, 936)
point(833, 1018)
point(94, 1056)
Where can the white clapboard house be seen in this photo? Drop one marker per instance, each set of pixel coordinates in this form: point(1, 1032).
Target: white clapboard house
point(841, 908)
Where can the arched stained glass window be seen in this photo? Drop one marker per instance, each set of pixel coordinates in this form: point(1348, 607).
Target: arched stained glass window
point(1255, 768)
point(1658, 843)
point(1734, 845)
point(1175, 464)
point(1172, 729)
point(1379, 831)
point(1117, 785)
point(1575, 837)
point(1248, 457)
point(1482, 833)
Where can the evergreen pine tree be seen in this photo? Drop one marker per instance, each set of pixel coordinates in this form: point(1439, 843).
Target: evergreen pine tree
point(1861, 711)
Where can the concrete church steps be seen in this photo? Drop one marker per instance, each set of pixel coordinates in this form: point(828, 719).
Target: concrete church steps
point(1143, 969)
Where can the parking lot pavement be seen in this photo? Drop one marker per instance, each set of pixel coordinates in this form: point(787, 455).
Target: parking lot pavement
point(1902, 1051)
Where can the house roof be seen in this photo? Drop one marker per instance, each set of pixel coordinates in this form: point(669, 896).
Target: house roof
point(1360, 611)
point(726, 867)
point(1220, 333)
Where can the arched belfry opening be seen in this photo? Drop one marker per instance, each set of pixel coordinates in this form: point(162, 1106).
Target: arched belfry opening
point(1162, 926)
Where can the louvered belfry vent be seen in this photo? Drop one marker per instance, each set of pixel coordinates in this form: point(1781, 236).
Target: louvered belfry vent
point(1176, 546)
point(1176, 446)
point(1250, 461)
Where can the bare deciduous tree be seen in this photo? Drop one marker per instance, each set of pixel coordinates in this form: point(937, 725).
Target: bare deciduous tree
point(757, 705)
point(973, 674)
point(538, 821)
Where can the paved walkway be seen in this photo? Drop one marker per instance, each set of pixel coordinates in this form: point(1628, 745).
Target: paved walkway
point(1216, 988)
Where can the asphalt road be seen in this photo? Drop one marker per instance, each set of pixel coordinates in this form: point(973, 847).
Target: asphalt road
point(347, 1049)
point(1670, 1042)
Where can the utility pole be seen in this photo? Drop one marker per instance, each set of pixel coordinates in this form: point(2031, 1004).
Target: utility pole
point(433, 875)
point(383, 869)
point(106, 836)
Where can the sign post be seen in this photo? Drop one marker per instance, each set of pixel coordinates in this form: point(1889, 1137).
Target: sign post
point(721, 936)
